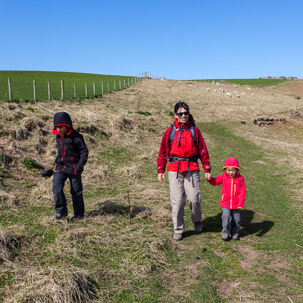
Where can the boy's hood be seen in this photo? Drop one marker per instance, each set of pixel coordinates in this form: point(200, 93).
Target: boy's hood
point(62, 118)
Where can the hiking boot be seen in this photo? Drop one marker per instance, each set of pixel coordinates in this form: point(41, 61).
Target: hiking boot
point(76, 218)
point(178, 237)
point(198, 227)
point(236, 237)
point(225, 237)
point(59, 216)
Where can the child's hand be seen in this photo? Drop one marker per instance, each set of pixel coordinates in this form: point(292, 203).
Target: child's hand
point(240, 208)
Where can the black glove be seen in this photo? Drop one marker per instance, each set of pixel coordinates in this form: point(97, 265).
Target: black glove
point(47, 173)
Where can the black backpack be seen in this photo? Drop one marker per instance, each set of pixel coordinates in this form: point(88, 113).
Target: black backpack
point(175, 129)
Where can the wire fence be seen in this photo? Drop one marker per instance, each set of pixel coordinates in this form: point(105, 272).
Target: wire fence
point(32, 90)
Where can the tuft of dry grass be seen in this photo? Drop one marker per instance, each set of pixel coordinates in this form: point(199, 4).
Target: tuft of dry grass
point(9, 246)
point(7, 199)
point(52, 285)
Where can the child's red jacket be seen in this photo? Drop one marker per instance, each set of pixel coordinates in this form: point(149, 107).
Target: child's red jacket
point(233, 189)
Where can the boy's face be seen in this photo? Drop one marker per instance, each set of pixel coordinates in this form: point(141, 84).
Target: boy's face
point(62, 129)
point(231, 171)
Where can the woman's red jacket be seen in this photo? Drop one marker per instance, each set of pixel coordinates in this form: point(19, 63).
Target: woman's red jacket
point(185, 149)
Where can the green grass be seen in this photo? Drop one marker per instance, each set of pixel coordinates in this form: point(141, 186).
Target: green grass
point(22, 84)
point(128, 261)
point(253, 82)
point(268, 226)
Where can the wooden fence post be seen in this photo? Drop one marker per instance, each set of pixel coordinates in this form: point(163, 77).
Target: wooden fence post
point(9, 89)
point(62, 90)
point(102, 88)
point(120, 84)
point(85, 89)
point(94, 89)
point(34, 88)
point(75, 90)
point(49, 90)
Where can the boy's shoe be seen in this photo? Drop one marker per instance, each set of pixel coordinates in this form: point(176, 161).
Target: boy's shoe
point(198, 227)
point(178, 236)
point(225, 237)
point(59, 216)
point(76, 218)
point(236, 237)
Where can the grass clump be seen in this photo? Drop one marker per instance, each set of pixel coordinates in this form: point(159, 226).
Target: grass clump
point(31, 164)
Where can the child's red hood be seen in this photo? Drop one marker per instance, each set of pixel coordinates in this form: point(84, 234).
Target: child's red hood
point(231, 162)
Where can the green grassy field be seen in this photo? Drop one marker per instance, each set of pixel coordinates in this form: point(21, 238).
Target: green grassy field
point(22, 84)
point(108, 257)
point(253, 82)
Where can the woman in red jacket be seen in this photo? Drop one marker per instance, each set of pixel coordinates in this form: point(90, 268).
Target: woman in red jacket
point(232, 197)
point(183, 145)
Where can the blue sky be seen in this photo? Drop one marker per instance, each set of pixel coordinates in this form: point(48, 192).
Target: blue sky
point(192, 39)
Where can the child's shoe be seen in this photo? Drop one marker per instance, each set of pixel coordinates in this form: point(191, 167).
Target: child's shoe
point(59, 216)
point(76, 218)
point(236, 237)
point(225, 236)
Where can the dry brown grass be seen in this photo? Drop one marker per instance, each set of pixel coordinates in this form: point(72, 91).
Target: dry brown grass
point(9, 246)
point(113, 122)
point(51, 285)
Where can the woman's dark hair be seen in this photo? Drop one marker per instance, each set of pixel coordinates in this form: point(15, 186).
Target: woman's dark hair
point(181, 104)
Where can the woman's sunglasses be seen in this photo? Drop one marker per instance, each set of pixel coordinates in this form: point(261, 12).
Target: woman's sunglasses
point(181, 114)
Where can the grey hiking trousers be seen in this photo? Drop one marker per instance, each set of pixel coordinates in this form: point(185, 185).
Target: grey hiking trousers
point(180, 189)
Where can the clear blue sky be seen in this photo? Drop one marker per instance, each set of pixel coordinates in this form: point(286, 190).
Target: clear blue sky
point(178, 39)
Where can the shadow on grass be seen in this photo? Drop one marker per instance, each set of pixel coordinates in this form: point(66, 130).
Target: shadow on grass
point(214, 224)
point(112, 208)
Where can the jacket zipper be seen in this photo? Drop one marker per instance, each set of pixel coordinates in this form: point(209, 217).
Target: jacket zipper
point(231, 193)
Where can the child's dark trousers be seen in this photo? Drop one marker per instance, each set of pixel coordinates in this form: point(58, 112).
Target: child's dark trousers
point(76, 190)
point(231, 221)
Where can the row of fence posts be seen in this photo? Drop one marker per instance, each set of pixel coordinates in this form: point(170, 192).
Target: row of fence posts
point(133, 81)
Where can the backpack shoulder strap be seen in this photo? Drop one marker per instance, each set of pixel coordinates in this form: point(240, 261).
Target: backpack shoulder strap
point(193, 132)
point(172, 134)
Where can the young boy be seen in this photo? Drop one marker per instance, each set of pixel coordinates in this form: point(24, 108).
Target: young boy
point(72, 156)
point(232, 197)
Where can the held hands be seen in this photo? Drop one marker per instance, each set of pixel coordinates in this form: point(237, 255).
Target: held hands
point(240, 208)
point(207, 176)
point(160, 177)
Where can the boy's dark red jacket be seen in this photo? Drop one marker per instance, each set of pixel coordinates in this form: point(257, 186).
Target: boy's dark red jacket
point(72, 150)
point(185, 149)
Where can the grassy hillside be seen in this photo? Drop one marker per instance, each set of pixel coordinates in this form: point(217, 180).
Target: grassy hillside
point(123, 250)
point(253, 82)
point(22, 84)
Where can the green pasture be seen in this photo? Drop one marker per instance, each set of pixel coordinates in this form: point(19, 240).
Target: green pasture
point(22, 84)
point(252, 82)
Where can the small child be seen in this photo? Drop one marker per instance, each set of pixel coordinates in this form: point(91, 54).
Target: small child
point(232, 197)
point(72, 156)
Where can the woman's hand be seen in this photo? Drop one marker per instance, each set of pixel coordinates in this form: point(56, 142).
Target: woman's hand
point(160, 177)
point(207, 176)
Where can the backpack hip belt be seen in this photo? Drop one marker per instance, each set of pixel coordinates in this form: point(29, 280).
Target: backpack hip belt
point(188, 159)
